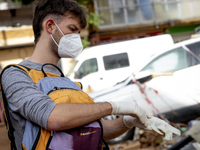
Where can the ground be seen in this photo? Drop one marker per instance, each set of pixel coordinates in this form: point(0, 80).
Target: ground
point(4, 141)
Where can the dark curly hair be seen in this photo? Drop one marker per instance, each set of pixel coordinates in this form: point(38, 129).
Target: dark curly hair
point(57, 8)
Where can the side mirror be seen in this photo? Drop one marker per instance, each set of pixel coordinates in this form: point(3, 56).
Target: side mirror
point(143, 76)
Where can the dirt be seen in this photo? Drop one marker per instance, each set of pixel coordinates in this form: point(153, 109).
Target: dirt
point(4, 141)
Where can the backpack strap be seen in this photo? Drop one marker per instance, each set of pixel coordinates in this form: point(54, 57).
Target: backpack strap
point(7, 115)
point(105, 147)
point(62, 75)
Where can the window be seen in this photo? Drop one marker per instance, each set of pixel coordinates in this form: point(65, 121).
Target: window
point(116, 13)
point(123, 12)
point(173, 60)
point(87, 67)
point(116, 61)
point(195, 48)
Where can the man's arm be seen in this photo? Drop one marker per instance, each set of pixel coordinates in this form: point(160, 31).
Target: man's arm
point(26, 99)
point(74, 115)
point(67, 115)
point(113, 128)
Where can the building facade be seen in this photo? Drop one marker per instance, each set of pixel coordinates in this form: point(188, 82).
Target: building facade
point(118, 20)
point(127, 19)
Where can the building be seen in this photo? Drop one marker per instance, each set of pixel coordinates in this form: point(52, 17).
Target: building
point(127, 19)
point(118, 20)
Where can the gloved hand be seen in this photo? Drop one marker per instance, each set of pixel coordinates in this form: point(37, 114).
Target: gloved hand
point(130, 108)
point(156, 124)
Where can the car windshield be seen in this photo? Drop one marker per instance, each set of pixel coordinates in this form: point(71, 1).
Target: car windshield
point(87, 67)
point(174, 60)
point(170, 61)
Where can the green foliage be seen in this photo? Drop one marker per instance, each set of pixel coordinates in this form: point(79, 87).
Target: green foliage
point(93, 19)
point(82, 2)
point(85, 42)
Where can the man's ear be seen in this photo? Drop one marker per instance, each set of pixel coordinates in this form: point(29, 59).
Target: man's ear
point(50, 26)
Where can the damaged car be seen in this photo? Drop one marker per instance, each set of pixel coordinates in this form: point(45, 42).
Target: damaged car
point(156, 87)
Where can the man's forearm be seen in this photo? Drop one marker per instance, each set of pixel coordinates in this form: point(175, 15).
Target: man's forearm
point(67, 115)
point(113, 128)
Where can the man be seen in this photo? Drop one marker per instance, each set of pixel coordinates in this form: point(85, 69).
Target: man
point(56, 25)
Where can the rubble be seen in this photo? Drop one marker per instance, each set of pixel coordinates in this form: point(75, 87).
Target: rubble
point(150, 140)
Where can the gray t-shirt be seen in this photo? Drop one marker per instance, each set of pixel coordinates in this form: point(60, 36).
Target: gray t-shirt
point(25, 100)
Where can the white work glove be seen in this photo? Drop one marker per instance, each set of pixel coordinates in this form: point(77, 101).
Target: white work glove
point(156, 124)
point(130, 108)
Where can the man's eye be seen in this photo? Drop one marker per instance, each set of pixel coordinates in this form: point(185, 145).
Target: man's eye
point(72, 29)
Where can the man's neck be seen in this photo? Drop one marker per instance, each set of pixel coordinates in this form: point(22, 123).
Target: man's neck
point(42, 55)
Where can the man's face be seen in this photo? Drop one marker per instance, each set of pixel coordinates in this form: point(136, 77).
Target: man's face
point(68, 25)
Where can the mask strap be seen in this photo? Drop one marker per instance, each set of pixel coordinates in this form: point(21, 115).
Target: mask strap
point(59, 29)
point(54, 40)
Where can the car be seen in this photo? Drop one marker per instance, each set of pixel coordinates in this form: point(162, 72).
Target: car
point(99, 64)
point(154, 87)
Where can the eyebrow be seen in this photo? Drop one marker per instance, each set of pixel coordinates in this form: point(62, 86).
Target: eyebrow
point(74, 26)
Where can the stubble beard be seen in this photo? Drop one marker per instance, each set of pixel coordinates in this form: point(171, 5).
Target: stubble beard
point(54, 47)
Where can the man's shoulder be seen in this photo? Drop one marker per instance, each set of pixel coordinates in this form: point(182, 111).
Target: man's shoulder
point(31, 64)
point(38, 66)
point(10, 69)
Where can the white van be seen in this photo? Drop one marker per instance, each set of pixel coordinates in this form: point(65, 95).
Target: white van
point(103, 66)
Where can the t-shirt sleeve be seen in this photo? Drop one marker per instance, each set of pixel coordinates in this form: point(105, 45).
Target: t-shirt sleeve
point(25, 98)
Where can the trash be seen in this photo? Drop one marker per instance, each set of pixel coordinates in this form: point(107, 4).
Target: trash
point(126, 145)
point(150, 140)
point(196, 145)
point(192, 122)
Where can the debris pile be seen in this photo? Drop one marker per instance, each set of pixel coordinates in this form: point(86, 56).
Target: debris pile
point(150, 140)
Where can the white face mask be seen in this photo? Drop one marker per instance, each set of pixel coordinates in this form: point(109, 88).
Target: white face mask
point(69, 46)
